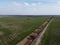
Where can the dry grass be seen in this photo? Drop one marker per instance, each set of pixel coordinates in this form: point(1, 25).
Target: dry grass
point(1, 33)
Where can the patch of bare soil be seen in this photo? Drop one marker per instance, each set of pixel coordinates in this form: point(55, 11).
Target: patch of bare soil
point(1, 33)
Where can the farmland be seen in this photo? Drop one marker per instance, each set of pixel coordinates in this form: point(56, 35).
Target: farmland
point(52, 34)
point(14, 29)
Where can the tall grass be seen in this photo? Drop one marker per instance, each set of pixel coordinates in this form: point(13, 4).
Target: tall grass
point(52, 34)
point(25, 25)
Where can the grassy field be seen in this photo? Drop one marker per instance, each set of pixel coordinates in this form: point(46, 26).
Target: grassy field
point(52, 34)
point(14, 29)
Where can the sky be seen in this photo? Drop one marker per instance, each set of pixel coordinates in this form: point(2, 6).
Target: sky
point(29, 7)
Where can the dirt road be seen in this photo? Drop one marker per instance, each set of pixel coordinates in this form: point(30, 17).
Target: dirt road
point(39, 38)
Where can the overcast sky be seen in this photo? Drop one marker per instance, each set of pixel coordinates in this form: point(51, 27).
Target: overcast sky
point(30, 7)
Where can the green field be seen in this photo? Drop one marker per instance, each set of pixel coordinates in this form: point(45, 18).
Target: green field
point(52, 34)
point(14, 29)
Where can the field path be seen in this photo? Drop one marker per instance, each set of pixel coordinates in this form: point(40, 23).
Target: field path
point(39, 38)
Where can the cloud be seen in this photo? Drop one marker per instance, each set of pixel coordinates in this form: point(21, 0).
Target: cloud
point(16, 4)
point(34, 4)
point(26, 4)
point(58, 2)
point(33, 8)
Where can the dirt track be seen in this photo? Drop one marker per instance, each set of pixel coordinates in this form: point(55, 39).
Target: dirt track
point(37, 40)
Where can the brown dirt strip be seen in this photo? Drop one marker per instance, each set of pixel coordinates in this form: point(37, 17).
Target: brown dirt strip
point(25, 40)
point(37, 41)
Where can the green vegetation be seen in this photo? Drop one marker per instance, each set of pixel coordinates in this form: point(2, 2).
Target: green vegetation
point(52, 34)
point(17, 28)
